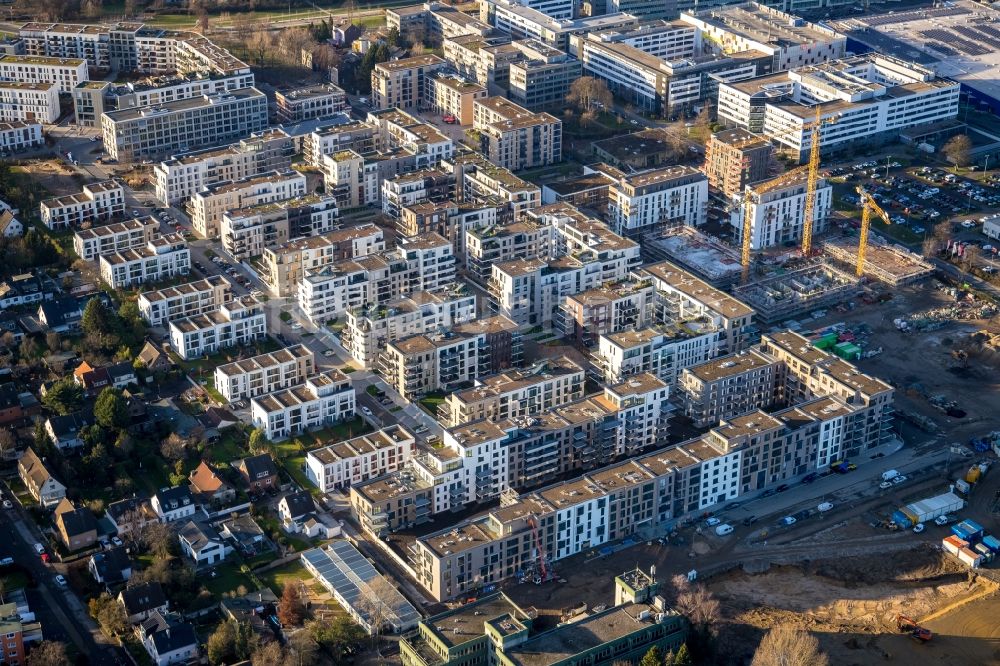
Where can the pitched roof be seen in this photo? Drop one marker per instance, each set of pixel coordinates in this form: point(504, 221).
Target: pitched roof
point(111, 563)
point(215, 417)
point(71, 424)
point(204, 479)
point(34, 468)
point(199, 535)
point(254, 466)
point(6, 220)
point(143, 597)
point(74, 520)
point(174, 498)
point(117, 510)
point(299, 504)
point(168, 634)
point(151, 355)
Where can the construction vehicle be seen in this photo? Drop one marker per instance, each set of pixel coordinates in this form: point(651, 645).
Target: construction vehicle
point(811, 170)
point(911, 627)
point(868, 206)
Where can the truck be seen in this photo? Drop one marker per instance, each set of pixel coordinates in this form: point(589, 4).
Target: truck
point(889, 474)
point(928, 509)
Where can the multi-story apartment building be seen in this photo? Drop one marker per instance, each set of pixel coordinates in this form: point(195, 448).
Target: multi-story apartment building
point(661, 197)
point(735, 158)
point(777, 216)
point(401, 84)
point(446, 359)
point(324, 399)
point(344, 464)
point(162, 258)
point(182, 176)
point(18, 135)
point(207, 206)
point(433, 21)
point(66, 73)
point(420, 263)
point(787, 39)
point(328, 140)
point(542, 78)
point(16, 628)
point(154, 132)
point(248, 231)
point(415, 187)
point(321, 101)
point(485, 246)
point(661, 350)
point(184, 300)
point(860, 100)
point(466, 56)
point(265, 373)
point(97, 201)
point(610, 308)
point(369, 329)
point(286, 263)
point(241, 321)
point(547, 384)
point(513, 137)
point(681, 295)
point(29, 102)
point(451, 219)
point(91, 243)
point(477, 179)
point(728, 386)
point(450, 94)
point(398, 129)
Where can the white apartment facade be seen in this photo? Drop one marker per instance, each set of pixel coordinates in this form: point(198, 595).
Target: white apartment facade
point(286, 263)
point(91, 243)
point(247, 232)
point(324, 399)
point(184, 300)
point(18, 135)
point(29, 102)
point(66, 73)
point(208, 206)
point(97, 201)
point(778, 215)
point(162, 258)
point(663, 352)
point(660, 196)
point(265, 373)
point(342, 465)
point(239, 322)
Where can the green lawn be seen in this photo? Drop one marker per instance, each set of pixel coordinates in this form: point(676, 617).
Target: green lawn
point(431, 401)
point(229, 447)
point(228, 577)
point(13, 580)
point(277, 578)
point(294, 467)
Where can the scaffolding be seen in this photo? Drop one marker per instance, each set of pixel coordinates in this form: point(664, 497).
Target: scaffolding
point(782, 296)
point(891, 264)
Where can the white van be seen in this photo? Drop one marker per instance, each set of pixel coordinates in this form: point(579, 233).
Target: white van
point(889, 475)
point(723, 530)
point(824, 507)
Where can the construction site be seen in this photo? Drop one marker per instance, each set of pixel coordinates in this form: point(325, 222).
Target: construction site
point(705, 256)
point(786, 295)
point(888, 263)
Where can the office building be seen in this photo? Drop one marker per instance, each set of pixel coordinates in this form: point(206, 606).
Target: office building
point(344, 464)
point(513, 137)
point(207, 206)
point(787, 39)
point(184, 300)
point(658, 198)
point(265, 373)
point(446, 359)
point(324, 399)
point(735, 158)
point(97, 201)
point(29, 102)
point(777, 216)
point(420, 263)
point(162, 258)
point(239, 322)
point(452, 95)
point(284, 265)
point(182, 176)
point(248, 231)
point(860, 101)
point(542, 78)
point(400, 84)
point(321, 101)
point(522, 21)
point(433, 22)
point(91, 243)
point(188, 124)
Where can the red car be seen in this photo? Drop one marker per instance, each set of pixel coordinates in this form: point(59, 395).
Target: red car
point(45, 558)
point(448, 118)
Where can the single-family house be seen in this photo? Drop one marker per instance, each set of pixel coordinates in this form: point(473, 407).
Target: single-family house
point(92, 380)
point(36, 477)
point(122, 374)
point(10, 226)
point(320, 526)
point(130, 514)
point(16, 406)
point(61, 315)
point(208, 488)
point(252, 608)
point(64, 431)
point(76, 526)
point(142, 600)
point(245, 534)
point(259, 472)
point(294, 507)
point(154, 359)
point(110, 567)
point(202, 543)
point(26, 289)
point(174, 503)
point(168, 640)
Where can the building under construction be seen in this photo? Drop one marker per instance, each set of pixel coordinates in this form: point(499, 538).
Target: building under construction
point(709, 258)
point(790, 294)
point(885, 262)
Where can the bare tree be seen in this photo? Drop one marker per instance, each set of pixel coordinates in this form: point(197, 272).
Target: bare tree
point(588, 94)
point(292, 41)
point(375, 605)
point(699, 605)
point(174, 447)
point(787, 646)
point(958, 149)
point(260, 43)
point(8, 444)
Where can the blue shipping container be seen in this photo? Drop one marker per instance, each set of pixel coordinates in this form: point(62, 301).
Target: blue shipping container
point(901, 519)
point(960, 532)
point(973, 526)
point(991, 542)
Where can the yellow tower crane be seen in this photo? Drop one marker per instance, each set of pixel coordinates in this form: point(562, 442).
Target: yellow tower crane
point(813, 176)
point(758, 191)
point(868, 206)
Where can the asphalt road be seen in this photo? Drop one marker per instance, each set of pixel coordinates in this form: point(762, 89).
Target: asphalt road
point(61, 613)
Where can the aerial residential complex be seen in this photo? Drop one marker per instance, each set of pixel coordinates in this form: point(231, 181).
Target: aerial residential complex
point(91, 243)
point(97, 201)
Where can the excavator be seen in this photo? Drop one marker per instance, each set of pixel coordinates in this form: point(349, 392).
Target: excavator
point(911, 627)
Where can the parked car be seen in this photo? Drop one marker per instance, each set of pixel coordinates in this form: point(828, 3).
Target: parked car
point(366, 411)
point(723, 530)
point(824, 507)
point(918, 528)
point(782, 488)
point(789, 520)
point(899, 479)
point(60, 580)
point(750, 520)
point(713, 521)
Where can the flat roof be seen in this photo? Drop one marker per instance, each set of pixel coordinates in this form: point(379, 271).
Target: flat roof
point(764, 25)
point(179, 106)
point(699, 290)
point(262, 361)
point(730, 366)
